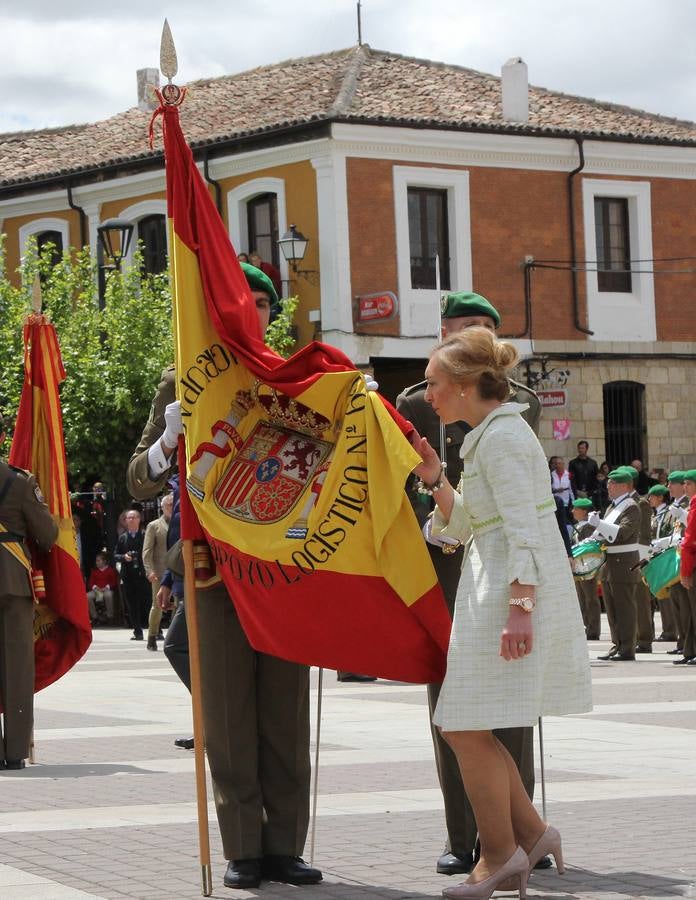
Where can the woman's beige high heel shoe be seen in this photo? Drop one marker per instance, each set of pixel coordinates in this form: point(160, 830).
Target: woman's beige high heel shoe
point(517, 867)
point(549, 842)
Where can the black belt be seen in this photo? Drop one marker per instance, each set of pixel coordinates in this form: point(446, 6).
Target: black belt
point(8, 537)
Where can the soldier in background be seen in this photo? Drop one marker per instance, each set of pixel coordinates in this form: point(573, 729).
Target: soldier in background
point(459, 311)
point(23, 517)
point(587, 589)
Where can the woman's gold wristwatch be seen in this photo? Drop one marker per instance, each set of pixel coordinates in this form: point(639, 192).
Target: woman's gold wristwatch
point(525, 603)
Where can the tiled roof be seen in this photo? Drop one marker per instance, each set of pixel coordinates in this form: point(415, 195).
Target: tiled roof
point(354, 85)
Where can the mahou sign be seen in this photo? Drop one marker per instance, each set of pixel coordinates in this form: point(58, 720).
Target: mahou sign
point(552, 398)
point(377, 307)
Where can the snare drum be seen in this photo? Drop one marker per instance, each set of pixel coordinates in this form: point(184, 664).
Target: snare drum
point(662, 572)
point(587, 557)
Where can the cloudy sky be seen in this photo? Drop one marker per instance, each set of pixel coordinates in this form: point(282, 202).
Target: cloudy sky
point(75, 61)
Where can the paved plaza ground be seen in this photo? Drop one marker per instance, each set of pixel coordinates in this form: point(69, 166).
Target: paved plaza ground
point(108, 811)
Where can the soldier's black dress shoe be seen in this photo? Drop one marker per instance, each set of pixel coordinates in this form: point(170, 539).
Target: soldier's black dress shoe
point(152, 643)
point(643, 649)
point(12, 764)
point(666, 637)
point(623, 657)
point(243, 873)
point(684, 661)
point(610, 655)
point(289, 870)
point(453, 864)
point(137, 636)
point(544, 863)
point(353, 676)
point(184, 743)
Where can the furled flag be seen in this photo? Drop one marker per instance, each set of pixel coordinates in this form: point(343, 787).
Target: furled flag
point(62, 631)
point(295, 471)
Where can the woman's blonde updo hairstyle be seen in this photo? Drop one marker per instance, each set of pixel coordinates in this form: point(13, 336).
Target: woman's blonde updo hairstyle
point(476, 356)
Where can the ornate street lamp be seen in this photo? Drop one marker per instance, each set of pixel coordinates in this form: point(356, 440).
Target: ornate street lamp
point(293, 245)
point(115, 236)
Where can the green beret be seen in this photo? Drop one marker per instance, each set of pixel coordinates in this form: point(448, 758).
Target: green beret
point(582, 503)
point(259, 281)
point(677, 477)
point(454, 306)
point(621, 475)
point(631, 471)
point(659, 489)
point(690, 475)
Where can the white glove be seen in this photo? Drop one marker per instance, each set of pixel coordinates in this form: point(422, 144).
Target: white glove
point(608, 530)
point(681, 515)
point(174, 425)
point(660, 544)
point(594, 518)
point(370, 382)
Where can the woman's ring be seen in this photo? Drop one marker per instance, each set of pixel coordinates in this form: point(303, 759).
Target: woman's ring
point(522, 645)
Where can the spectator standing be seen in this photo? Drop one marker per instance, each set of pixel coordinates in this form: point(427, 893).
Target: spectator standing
point(102, 582)
point(600, 495)
point(269, 269)
point(136, 587)
point(560, 483)
point(642, 482)
point(583, 471)
point(154, 551)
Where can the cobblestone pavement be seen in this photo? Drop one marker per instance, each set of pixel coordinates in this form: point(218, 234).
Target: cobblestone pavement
point(108, 811)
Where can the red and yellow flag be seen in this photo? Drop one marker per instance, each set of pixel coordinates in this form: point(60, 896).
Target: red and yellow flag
point(62, 631)
point(295, 471)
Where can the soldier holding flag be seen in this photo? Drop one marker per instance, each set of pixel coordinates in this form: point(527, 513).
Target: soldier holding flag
point(23, 516)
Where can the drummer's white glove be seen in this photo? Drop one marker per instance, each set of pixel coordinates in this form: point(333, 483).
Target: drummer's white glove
point(174, 425)
point(607, 530)
point(681, 515)
point(594, 518)
point(660, 544)
point(370, 382)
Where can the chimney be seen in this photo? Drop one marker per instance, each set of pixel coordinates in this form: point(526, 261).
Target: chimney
point(515, 88)
point(148, 80)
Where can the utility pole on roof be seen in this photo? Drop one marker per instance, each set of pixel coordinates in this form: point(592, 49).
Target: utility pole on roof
point(359, 24)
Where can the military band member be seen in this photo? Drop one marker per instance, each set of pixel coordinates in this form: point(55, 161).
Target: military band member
point(686, 571)
point(587, 589)
point(645, 628)
point(620, 529)
point(662, 529)
point(678, 594)
point(255, 706)
point(459, 311)
point(23, 517)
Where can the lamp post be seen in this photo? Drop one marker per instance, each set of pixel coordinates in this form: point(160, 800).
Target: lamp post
point(293, 246)
point(115, 237)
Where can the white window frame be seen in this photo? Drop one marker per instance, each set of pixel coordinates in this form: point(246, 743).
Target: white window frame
point(141, 210)
point(420, 308)
point(237, 200)
point(622, 315)
point(39, 225)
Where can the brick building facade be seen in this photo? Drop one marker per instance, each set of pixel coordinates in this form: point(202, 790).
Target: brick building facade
point(572, 216)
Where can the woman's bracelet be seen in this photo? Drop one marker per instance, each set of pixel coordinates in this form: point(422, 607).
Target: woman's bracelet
point(431, 489)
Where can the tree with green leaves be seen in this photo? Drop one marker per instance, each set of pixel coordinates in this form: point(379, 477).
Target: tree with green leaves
point(113, 356)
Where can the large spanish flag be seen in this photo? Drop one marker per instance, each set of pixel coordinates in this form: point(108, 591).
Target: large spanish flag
point(62, 631)
point(295, 471)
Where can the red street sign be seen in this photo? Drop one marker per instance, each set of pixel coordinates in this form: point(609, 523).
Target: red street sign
point(552, 398)
point(376, 306)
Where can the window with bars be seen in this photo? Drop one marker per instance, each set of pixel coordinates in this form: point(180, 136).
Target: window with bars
point(624, 422)
point(152, 231)
point(262, 224)
point(613, 244)
point(428, 232)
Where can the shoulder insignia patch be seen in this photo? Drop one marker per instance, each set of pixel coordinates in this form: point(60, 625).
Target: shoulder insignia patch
point(37, 493)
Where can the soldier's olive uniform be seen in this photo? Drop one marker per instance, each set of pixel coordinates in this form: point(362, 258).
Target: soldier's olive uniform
point(620, 577)
point(461, 825)
point(255, 707)
point(663, 526)
point(24, 516)
point(680, 600)
point(588, 598)
point(644, 601)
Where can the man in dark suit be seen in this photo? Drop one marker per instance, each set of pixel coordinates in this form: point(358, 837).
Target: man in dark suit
point(129, 553)
point(23, 517)
point(620, 529)
point(459, 311)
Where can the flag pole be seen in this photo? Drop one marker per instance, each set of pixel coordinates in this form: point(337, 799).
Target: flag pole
point(169, 67)
point(438, 332)
point(316, 767)
point(191, 609)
